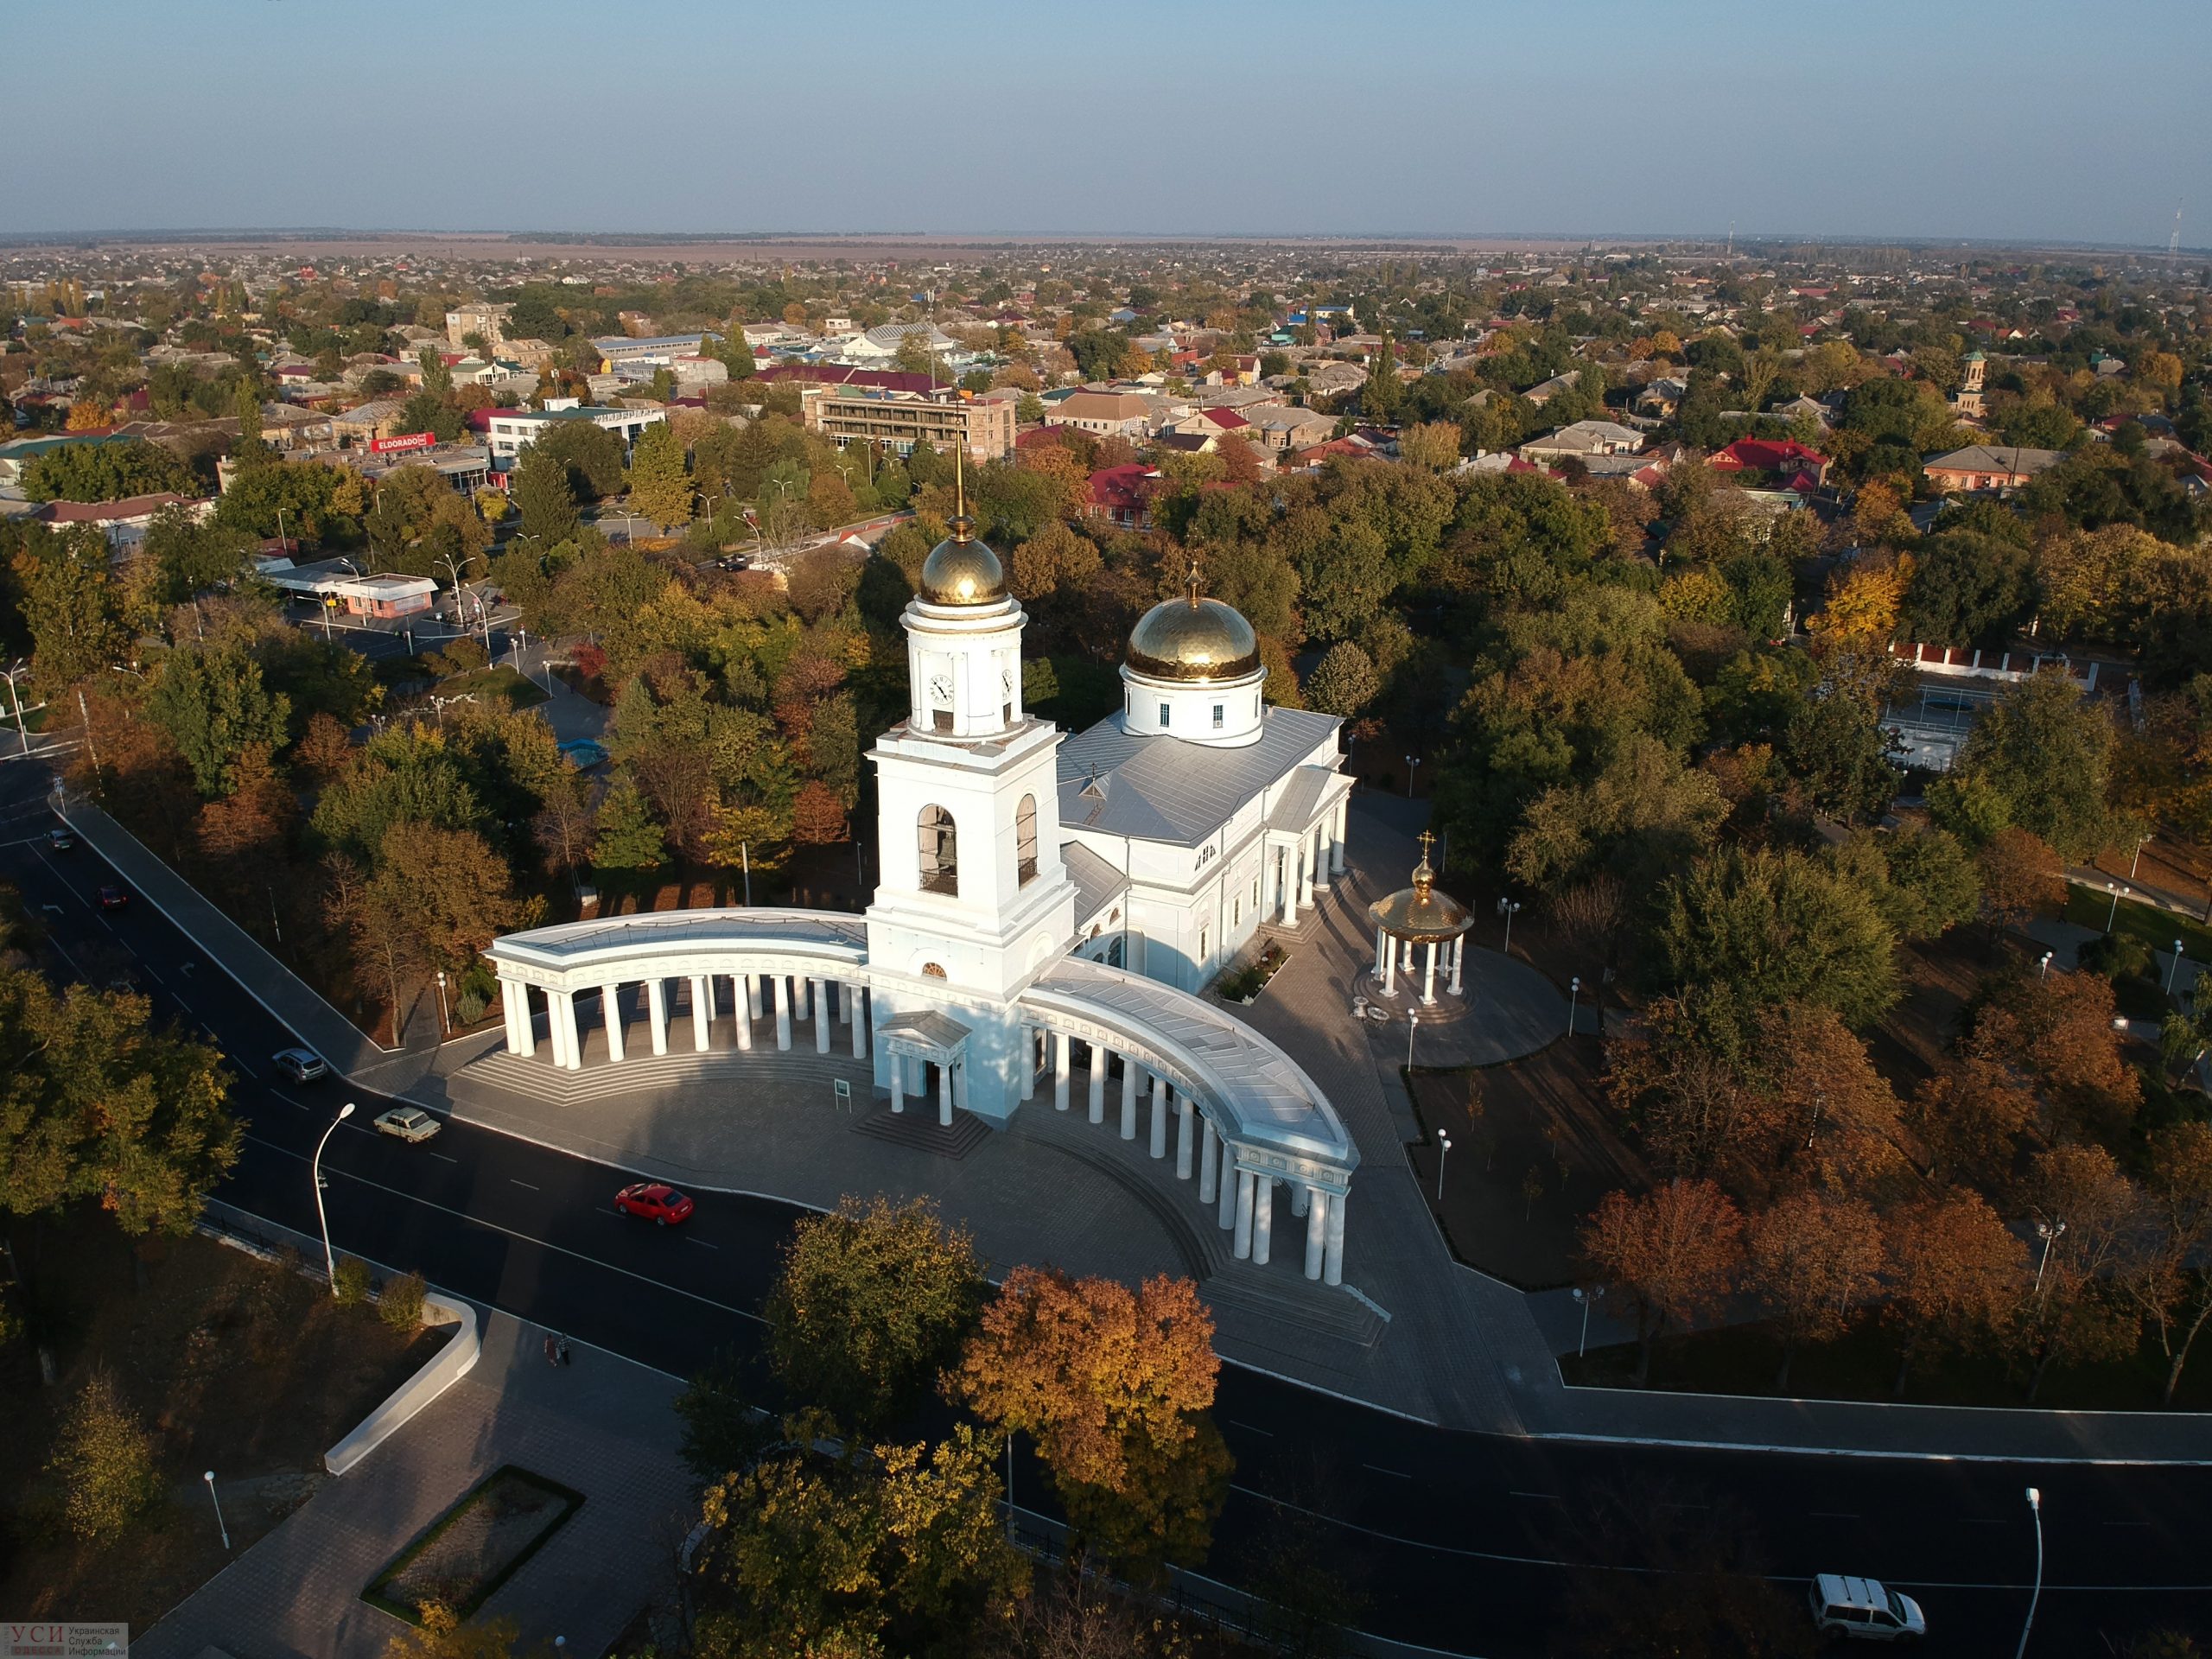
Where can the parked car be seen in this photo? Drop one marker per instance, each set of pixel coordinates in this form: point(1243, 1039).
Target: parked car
point(734, 562)
point(299, 1064)
point(1865, 1608)
point(115, 899)
point(62, 840)
point(410, 1123)
point(656, 1201)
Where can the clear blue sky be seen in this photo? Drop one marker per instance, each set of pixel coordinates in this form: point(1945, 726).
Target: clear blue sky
point(1938, 118)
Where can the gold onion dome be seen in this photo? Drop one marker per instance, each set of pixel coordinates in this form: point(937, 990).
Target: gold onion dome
point(1420, 914)
point(1193, 638)
point(960, 570)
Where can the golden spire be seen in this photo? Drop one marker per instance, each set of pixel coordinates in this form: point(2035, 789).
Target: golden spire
point(964, 527)
point(1191, 579)
point(1424, 877)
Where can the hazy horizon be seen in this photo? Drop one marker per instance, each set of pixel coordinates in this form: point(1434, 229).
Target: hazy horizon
point(1416, 120)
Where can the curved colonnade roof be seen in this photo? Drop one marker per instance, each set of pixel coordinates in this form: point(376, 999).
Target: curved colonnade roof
point(1265, 1095)
point(636, 942)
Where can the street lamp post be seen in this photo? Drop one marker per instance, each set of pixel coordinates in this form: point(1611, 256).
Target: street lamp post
point(1412, 1029)
point(1507, 908)
point(1595, 1293)
point(14, 696)
point(1411, 762)
point(322, 1216)
point(2137, 859)
point(2050, 1232)
point(1443, 1151)
point(445, 1021)
point(2044, 971)
point(2112, 915)
point(210, 1479)
point(2034, 1509)
point(2174, 972)
point(1573, 996)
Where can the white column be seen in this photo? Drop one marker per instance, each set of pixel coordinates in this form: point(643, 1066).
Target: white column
point(898, 1083)
point(1301, 1197)
point(1389, 965)
point(511, 994)
point(657, 1012)
point(1428, 976)
point(1294, 873)
point(1184, 1113)
point(779, 989)
point(1458, 959)
point(856, 1011)
point(1227, 1215)
point(1317, 1223)
point(702, 1012)
point(1308, 852)
point(527, 1027)
point(610, 1011)
point(1061, 1043)
point(801, 1004)
point(1130, 1069)
point(1319, 835)
point(1337, 847)
point(1097, 1101)
point(1158, 1144)
point(1263, 1217)
point(1209, 1161)
point(1333, 1269)
point(821, 1016)
point(1244, 1197)
point(944, 1094)
point(752, 997)
point(847, 992)
point(1381, 947)
point(743, 1009)
point(567, 1047)
point(1029, 1062)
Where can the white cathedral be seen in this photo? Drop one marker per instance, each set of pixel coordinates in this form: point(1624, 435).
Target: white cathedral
point(1038, 893)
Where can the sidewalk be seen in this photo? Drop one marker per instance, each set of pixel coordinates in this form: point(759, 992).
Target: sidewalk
point(602, 1426)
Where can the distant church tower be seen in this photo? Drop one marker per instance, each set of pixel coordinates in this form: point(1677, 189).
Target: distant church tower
point(1969, 400)
point(973, 899)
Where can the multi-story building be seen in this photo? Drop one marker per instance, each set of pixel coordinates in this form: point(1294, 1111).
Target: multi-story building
point(488, 320)
point(903, 420)
point(510, 431)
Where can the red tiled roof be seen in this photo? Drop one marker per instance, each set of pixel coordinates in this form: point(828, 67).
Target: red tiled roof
point(1122, 487)
point(1768, 455)
point(1227, 419)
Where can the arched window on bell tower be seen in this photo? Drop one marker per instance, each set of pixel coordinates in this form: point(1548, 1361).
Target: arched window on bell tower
point(940, 846)
point(1025, 842)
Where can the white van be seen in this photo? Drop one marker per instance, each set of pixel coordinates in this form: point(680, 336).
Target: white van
point(1863, 1607)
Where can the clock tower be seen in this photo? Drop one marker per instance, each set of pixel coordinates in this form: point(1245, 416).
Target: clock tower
point(973, 899)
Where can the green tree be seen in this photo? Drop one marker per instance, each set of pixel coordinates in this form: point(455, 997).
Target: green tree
point(724, 1429)
point(2045, 751)
point(1756, 929)
point(629, 836)
point(1929, 882)
point(1837, 745)
point(543, 497)
point(100, 470)
point(69, 606)
point(104, 1457)
point(872, 1304)
point(1343, 681)
point(659, 488)
point(191, 556)
point(213, 704)
point(591, 453)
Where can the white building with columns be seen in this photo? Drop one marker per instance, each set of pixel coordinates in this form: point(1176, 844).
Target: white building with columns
point(1040, 897)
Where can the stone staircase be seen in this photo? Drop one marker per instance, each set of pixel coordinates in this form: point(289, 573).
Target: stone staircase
point(917, 1129)
point(537, 1078)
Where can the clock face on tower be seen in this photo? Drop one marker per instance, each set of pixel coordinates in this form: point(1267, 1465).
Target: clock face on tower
point(1006, 681)
point(941, 687)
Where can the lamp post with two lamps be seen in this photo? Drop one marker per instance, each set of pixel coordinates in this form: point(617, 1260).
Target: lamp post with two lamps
point(1585, 1298)
point(1574, 997)
point(2050, 1232)
point(1412, 760)
point(445, 1021)
point(1507, 908)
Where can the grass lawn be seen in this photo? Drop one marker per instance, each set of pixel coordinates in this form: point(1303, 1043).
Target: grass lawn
point(1743, 1359)
point(235, 1365)
point(2087, 907)
point(476, 1546)
point(491, 685)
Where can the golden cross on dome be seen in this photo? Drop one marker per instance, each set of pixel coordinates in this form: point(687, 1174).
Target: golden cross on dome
point(1190, 578)
point(1426, 840)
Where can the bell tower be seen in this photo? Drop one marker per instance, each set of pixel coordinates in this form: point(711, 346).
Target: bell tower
point(973, 899)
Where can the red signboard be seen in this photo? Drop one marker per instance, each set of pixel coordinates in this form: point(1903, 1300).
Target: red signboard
point(405, 440)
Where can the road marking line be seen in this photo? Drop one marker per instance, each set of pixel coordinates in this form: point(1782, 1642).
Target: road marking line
point(1396, 1474)
point(242, 1065)
point(1541, 1497)
point(527, 1238)
point(2128, 1524)
point(56, 909)
point(185, 1005)
point(1252, 1428)
point(442, 1159)
point(700, 1243)
point(524, 1184)
point(1831, 1514)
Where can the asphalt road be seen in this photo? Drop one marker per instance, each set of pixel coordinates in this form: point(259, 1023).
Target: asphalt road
point(1457, 1541)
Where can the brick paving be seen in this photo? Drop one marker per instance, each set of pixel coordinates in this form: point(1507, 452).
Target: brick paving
point(602, 1426)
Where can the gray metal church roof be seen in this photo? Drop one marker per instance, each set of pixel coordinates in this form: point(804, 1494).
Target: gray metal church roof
point(1153, 788)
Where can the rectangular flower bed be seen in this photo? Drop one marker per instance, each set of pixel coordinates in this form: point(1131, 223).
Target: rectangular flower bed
point(476, 1546)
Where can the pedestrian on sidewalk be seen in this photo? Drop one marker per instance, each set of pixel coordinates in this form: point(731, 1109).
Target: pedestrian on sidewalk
point(552, 1349)
point(562, 1351)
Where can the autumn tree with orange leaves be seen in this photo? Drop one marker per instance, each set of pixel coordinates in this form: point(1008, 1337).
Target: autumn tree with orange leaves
point(1671, 1252)
point(1114, 1386)
point(1815, 1261)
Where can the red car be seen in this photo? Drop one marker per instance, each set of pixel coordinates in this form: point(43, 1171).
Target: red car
point(114, 898)
point(657, 1201)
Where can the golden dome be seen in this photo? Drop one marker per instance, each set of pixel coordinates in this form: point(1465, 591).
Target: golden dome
point(1193, 638)
point(960, 570)
point(1420, 914)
